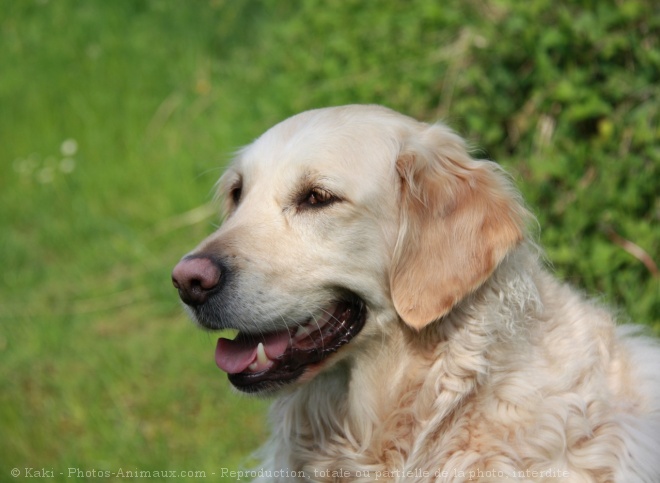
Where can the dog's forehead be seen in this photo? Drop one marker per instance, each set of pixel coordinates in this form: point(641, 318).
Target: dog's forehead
point(337, 144)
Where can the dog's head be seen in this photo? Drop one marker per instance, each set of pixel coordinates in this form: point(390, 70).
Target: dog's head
point(339, 223)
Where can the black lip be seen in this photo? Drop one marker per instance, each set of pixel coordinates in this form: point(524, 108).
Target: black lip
point(292, 364)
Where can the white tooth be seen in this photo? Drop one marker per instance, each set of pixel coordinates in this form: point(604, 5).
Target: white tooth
point(253, 366)
point(301, 332)
point(326, 317)
point(262, 358)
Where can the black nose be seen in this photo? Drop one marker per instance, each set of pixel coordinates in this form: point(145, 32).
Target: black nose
point(196, 278)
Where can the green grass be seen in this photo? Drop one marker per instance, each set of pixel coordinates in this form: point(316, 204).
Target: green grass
point(100, 369)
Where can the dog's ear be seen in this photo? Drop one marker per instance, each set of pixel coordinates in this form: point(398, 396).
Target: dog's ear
point(459, 218)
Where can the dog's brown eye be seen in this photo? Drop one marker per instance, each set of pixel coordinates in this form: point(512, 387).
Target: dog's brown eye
point(236, 193)
point(317, 198)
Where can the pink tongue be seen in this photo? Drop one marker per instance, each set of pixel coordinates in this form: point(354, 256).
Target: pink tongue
point(234, 356)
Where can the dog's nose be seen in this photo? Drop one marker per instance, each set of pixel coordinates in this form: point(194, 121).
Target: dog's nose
point(195, 278)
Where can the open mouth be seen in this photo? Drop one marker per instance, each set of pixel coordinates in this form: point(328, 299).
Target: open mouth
point(259, 362)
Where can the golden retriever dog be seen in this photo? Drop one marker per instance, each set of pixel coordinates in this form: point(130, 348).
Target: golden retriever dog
point(386, 292)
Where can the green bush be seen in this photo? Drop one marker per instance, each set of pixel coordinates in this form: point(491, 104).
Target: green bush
point(565, 95)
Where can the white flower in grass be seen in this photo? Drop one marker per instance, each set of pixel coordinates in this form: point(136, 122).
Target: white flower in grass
point(25, 166)
point(69, 147)
point(67, 165)
point(46, 175)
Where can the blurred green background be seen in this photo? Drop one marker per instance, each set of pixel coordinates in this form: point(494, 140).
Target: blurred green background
point(117, 116)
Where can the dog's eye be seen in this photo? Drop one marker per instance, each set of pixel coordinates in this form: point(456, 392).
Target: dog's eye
point(235, 193)
point(317, 198)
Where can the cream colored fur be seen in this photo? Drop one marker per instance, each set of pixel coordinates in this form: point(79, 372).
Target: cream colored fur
point(475, 364)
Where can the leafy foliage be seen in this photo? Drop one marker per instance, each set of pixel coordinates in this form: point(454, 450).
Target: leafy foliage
point(567, 96)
